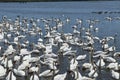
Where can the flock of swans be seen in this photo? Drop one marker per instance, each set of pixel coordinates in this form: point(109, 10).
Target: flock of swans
point(40, 59)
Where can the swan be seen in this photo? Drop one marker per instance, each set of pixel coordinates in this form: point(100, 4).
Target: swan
point(49, 55)
point(10, 76)
point(24, 51)
point(60, 76)
point(40, 40)
point(7, 63)
point(96, 38)
point(93, 73)
point(48, 72)
point(96, 29)
point(23, 65)
point(9, 50)
point(116, 54)
point(32, 33)
point(81, 57)
point(1, 36)
point(88, 48)
point(109, 18)
point(52, 65)
point(115, 74)
point(111, 49)
point(109, 59)
point(73, 64)
point(78, 76)
point(65, 47)
point(34, 77)
point(9, 35)
point(100, 62)
point(2, 71)
point(19, 72)
point(26, 42)
point(34, 59)
point(75, 30)
point(105, 47)
point(48, 48)
point(114, 66)
point(69, 52)
point(99, 52)
point(86, 66)
point(26, 57)
point(34, 68)
point(50, 62)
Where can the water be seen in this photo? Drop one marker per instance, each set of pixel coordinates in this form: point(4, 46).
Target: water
point(72, 10)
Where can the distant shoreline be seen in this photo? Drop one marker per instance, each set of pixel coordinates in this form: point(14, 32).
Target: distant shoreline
point(24, 1)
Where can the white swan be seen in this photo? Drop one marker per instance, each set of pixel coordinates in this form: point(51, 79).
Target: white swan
point(109, 59)
point(9, 50)
point(48, 48)
point(78, 76)
point(47, 73)
point(114, 66)
point(24, 65)
point(2, 71)
point(81, 57)
point(111, 49)
point(34, 77)
point(115, 74)
point(19, 72)
point(65, 47)
point(34, 69)
point(24, 51)
point(7, 63)
point(11, 76)
point(117, 54)
point(73, 64)
point(93, 73)
point(86, 65)
point(1, 35)
point(100, 62)
point(49, 55)
point(60, 76)
point(69, 53)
